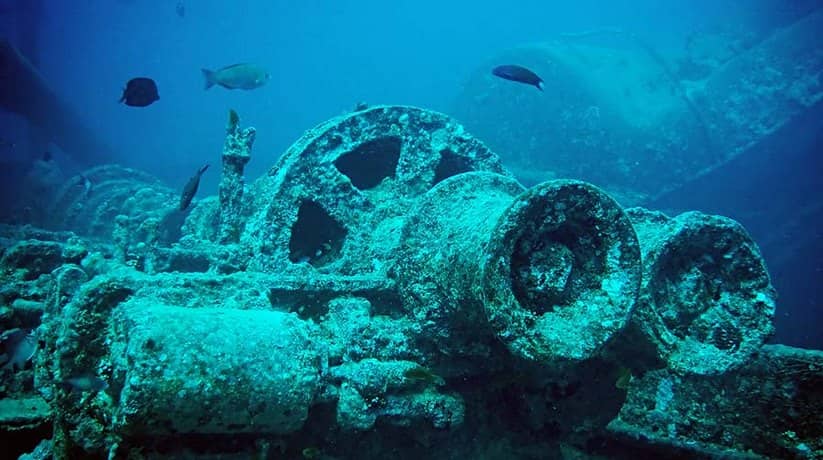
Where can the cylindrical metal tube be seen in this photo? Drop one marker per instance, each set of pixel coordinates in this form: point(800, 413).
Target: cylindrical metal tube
point(439, 258)
point(555, 270)
point(706, 302)
point(561, 273)
point(211, 370)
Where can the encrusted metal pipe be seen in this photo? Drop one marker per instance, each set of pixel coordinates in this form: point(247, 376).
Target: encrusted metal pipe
point(236, 154)
point(706, 302)
point(553, 271)
point(212, 370)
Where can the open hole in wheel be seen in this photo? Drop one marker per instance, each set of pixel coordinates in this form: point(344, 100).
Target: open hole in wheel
point(451, 164)
point(316, 237)
point(370, 162)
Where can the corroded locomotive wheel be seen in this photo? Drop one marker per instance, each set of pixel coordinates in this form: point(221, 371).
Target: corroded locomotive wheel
point(562, 273)
point(336, 198)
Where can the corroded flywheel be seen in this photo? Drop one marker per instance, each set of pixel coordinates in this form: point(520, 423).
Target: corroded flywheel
point(336, 199)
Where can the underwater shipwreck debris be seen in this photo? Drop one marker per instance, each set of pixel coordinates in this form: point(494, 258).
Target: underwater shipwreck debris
point(33, 258)
point(179, 370)
point(553, 270)
point(88, 203)
point(769, 407)
point(744, 105)
point(687, 128)
point(384, 245)
point(396, 385)
point(24, 91)
point(236, 154)
point(605, 99)
point(247, 371)
point(335, 200)
point(706, 302)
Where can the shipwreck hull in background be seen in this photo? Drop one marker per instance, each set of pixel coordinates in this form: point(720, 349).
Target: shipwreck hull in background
point(731, 127)
point(25, 92)
point(620, 115)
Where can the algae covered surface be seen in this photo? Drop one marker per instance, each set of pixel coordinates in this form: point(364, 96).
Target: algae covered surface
point(505, 280)
point(433, 305)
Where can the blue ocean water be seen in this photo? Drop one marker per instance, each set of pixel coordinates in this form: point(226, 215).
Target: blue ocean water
point(325, 57)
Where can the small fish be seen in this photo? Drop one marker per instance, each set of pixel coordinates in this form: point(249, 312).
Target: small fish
point(7, 144)
point(47, 156)
point(83, 383)
point(191, 188)
point(180, 9)
point(140, 92)
point(624, 378)
point(20, 346)
point(422, 374)
point(518, 74)
point(237, 76)
point(87, 185)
